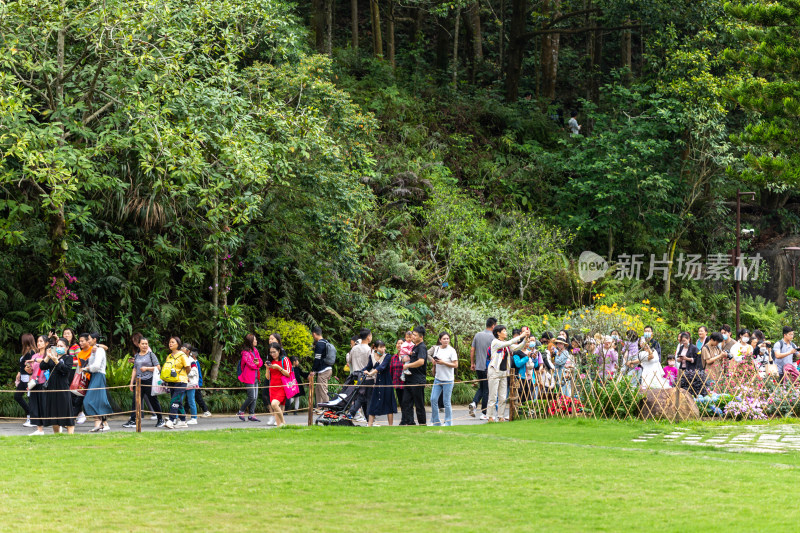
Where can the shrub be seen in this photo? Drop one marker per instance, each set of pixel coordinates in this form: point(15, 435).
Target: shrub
point(297, 339)
point(613, 398)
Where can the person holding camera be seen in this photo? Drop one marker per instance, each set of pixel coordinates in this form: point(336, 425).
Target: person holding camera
point(95, 403)
point(58, 408)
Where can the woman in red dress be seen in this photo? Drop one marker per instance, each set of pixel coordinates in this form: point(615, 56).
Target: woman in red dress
point(279, 366)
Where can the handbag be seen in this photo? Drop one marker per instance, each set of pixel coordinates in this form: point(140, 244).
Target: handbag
point(79, 383)
point(290, 385)
point(157, 388)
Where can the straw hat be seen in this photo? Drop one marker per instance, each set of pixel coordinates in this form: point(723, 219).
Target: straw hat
point(561, 340)
point(608, 338)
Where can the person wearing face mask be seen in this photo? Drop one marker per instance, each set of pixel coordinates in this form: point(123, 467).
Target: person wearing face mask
point(526, 362)
point(741, 350)
point(651, 340)
point(727, 341)
point(58, 408)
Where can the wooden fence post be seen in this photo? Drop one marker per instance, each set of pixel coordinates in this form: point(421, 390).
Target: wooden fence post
point(138, 405)
point(311, 399)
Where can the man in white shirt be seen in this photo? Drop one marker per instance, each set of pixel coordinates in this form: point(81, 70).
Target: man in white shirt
point(574, 127)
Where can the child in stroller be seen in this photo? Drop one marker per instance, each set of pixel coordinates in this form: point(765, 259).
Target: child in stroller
point(336, 411)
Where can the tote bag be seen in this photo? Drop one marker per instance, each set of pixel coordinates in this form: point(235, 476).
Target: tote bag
point(79, 384)
point(290, 385)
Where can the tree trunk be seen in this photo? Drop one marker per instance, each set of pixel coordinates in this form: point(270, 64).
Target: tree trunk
point(377, 38)
point(329, 28)
point(551, 43)
point(626, 53)
point(442, 47)
point(390, 34)
point(473, 28)
point(354, 23)
point(501, 45)
point(516, 48)
point(216, 348)
point(318, 23)
point(455, 47)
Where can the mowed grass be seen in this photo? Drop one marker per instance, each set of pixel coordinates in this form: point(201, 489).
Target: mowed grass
point(556, 475)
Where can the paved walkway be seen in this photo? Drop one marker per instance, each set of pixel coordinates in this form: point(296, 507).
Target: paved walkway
point(760, 439)
point(13, 428)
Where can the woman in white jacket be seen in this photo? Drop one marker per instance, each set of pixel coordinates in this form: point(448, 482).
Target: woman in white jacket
point(497, 369)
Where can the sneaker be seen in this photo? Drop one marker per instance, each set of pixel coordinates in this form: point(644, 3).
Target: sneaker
point(154, 417)
point(81, 418)
point(192, 422)
point(37, 432)
point(169, 425)
point(472, 407)
point(484, 417)
point(240, 414)
point(160, 424)
point(271, 421)
point(181, 424)
point(129, 424)
point(360, 418)
point(28, 424)
point(207, 414)
point(106, 427)
point(253, 419)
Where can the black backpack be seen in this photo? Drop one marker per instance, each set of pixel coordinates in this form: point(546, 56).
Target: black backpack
point(329, 358)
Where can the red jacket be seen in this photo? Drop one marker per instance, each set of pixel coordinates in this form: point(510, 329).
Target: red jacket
point(251, 367)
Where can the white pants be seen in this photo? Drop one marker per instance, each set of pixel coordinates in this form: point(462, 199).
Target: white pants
point(498, 392)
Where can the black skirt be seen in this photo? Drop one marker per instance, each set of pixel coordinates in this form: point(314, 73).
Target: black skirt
point(38, 405)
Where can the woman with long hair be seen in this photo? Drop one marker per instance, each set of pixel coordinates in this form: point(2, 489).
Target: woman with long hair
point(95, 403)
point(279, 365)
point(24, 375)
point(58, 407)
point(38, 399)
point(250, 375)
point(445, 360)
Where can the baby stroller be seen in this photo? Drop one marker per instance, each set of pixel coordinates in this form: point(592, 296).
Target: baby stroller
point(334, 412)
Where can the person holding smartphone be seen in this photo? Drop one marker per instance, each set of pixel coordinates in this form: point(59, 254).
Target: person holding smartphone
point(58, 408)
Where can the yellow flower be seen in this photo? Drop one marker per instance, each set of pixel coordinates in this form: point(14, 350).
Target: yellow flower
point(653, 309)
point(583, 316)
point(566, 327)
point(644, 308)
point(659, 320)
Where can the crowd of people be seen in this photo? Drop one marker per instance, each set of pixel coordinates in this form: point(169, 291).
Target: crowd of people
point(72, 370)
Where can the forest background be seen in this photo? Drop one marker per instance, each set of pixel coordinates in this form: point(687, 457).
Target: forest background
point(207, 168)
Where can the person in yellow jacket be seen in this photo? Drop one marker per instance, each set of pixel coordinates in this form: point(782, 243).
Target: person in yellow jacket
point(175, 373)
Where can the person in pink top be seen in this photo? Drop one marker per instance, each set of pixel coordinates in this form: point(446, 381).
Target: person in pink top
point(608, 357)
point(671, 371)
point(250, 374)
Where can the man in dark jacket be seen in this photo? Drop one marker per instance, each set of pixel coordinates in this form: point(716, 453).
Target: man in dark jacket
point(321, 371)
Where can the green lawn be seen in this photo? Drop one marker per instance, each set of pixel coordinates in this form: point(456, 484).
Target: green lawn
point(556, 475)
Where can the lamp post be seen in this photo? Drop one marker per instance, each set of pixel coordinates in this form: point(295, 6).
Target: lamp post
point(792, 254)
point(737, 283)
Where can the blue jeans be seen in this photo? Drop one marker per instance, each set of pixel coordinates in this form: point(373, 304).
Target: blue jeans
point(441, 388)
point(178, 391)
point(192, 404)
